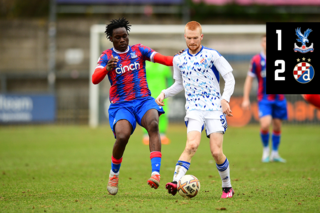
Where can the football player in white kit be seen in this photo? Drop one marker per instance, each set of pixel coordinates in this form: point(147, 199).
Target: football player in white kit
point(197, 70)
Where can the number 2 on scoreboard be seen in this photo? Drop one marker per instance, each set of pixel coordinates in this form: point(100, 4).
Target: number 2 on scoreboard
point(279, 62)
point(281, 70)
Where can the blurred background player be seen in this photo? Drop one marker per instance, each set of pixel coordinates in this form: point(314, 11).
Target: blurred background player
point(197, 70)
point(272, 108)
point(159, 77)
point(130, 97)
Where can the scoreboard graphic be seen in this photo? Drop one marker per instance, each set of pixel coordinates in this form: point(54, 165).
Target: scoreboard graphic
point(293, 58)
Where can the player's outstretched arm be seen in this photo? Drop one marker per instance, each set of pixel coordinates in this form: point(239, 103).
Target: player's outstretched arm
point(162, 59)
point(227, 92)
point(100, 72)
point(171, 91)
point(246, 92)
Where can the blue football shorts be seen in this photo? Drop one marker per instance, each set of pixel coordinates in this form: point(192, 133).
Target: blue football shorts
point(132, 111)
point(277, 109)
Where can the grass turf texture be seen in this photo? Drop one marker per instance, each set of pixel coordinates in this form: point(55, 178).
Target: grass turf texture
point(65, 169)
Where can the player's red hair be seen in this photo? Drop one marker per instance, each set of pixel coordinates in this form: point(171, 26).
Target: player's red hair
point(193, 25)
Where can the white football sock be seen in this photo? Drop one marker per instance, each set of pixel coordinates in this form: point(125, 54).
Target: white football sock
point(112, 173)
point(225, 178)
point(179, 172)
point(265, 153)
point(224, 173)
point(155, 173)
point(274, 154)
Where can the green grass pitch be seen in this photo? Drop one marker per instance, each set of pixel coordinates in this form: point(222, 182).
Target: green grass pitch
point(65, 169)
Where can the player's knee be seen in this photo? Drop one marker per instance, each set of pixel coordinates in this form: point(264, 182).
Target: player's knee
point(217, 154)
point(153, 126)
point(264, 127)
point(122, 137)
point(192, 147)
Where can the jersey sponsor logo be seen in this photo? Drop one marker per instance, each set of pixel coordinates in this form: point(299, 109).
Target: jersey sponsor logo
point(130, 67)
point(303, 72)
point(303, 38)
point(202, 60)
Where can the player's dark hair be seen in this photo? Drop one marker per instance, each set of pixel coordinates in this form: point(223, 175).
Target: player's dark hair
point(117, 23)
point(264, 36)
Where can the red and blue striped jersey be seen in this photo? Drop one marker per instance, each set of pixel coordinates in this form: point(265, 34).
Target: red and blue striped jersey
point(258, 69)
point(128, 79)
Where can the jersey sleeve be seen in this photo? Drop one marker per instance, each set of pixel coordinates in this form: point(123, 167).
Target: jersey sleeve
point(100, 71)
point(253, 68)
point(221, 63)
point(147, 52)
point(176, 70)
point(102, 61)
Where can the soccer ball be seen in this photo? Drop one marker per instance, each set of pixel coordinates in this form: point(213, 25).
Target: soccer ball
point(188, 186)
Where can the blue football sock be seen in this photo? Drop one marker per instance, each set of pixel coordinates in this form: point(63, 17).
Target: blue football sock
point(155, 158)
point(276, 140)
point(264, 138)
point(115, 167)
point(115, 164)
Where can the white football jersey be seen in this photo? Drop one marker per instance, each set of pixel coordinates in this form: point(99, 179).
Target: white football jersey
point(199, 74)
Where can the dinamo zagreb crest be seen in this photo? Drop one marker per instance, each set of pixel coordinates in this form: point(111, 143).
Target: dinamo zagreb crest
point(303, 72)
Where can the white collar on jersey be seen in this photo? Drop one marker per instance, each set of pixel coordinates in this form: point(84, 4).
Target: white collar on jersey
point(263, 55)
point(196, 53)
point(121, 52)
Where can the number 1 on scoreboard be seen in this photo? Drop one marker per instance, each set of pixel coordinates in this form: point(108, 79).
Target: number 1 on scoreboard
point(279, 39)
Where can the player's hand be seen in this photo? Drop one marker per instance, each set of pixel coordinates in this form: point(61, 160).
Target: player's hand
point(160, 98)
point(112, 63)
point(246, 104)
point(179, 53)
point(226, 108)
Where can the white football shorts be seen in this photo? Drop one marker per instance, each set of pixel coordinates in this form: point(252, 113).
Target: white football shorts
point(212, 121)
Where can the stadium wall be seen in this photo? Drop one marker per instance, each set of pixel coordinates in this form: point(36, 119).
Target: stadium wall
point(23, 68)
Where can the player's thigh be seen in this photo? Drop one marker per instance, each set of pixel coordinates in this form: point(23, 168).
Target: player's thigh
point(279, 110)
point(117, 114)
point(216, 141)
point(215, 128)
point(194, 128)
point(143, 112)
point(149, 118)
